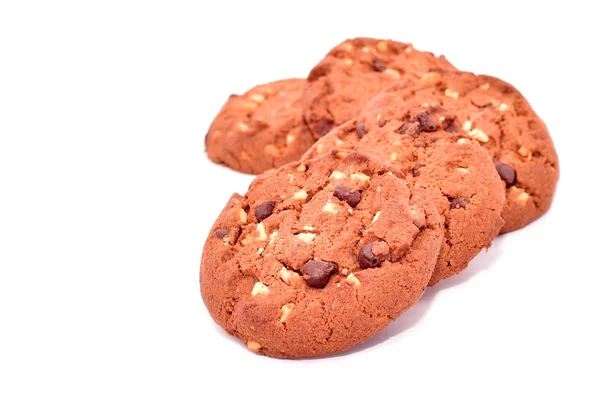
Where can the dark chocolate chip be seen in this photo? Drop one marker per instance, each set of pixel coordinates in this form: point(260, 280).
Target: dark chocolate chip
point(410, 127)
point(264, 210)
point(205, 139)
point(349, 196)
point(382, 123)
point(451, 129)
point(233, 95)
point(418, 224)
point(507, 173)
point(360, 130)
point(459, 202)
point(427, 124)
point(316, 273)
point(221, 233)
point(416, 168)
point(366, 258)
point(378, 65)
point(324, 126)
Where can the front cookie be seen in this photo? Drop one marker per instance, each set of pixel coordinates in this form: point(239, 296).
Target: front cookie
point(355, 71)
point(261, 129)
point(319, 256)
point(426, 143)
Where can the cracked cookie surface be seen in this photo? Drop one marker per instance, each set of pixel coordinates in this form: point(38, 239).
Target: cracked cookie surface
point(494, 113)
point(318, 256)
point(260, 130)
point(355, 71)
point(428, 144)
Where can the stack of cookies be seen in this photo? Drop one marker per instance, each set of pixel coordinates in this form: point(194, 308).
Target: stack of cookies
point(385, 171)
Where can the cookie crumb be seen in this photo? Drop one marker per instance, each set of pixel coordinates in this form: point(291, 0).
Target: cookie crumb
point(451, 93)
point(331, 208)
point(360, 176)
point(352, 280)
point(523, 198)
point(243, 216)
point(337, 175)
point(286, 310)
point(376, 217)
point(286, 275)
point(306, 237)
point(260, 288)
point(300, 196)
point(479, 135)
point(254, 346)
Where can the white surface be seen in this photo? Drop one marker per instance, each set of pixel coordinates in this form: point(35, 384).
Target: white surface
point(106, 199)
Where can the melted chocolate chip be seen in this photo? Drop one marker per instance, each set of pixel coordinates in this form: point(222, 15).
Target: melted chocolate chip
point(360, 130)
point(507, 173)
point(459, 202)
point(264, 210)
point(316, 273)
point(221, 233)
point(427, 124)
point(324, 126)
point(382, 123)
point(410, 127)
point(416, 168)
point(378, 65)
point(451, 129)
point(366, 258)
point(349, 196)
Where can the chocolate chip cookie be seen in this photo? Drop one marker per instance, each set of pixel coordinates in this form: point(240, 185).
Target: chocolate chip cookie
point(320, 255)
point(428, 144)
point(355, 71)
point(261, 129)
point(495, 114)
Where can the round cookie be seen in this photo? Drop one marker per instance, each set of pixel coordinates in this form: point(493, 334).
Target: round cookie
point(427, 144)
point(319, 256)
point(261, 129)
point(355, 71)
point(500, 118)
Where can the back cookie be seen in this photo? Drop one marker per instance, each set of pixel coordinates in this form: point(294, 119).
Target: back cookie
point(260, 130)
point(495, 114)
point(355, 71)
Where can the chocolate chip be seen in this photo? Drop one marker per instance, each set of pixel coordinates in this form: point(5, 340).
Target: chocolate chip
point(233, 95)
point(324, 126)
point(382, 123)
point(264, 210)
point(378, 65)
point(316, 273)
point(360, 130)
point(410, 127)
point(366, 258)
point(507, 173)
point(416, 168)
point(459, 202)
point(349, 196)
point(205, 139)
point(451, 129)
point(427, 124)
point(221, 233)
point(418, 224)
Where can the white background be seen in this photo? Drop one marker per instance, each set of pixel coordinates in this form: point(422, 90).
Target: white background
point(107, 197)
